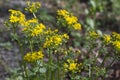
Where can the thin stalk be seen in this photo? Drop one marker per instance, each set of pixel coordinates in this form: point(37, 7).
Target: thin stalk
point(104, 59)
point(24, 65)
point(21, 51)
point(112, 62)
point(34, 15)
point(58, 68)
point(52, 75)
point(49, 64)
point(31, 48)
point(90, 72)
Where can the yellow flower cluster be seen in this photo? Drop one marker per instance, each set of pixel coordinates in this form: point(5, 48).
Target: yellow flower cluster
point(93, 35)
point(62, 12)
point(30, 22)
point(38, 30)
point(71, 20)
point(116, 44)
point(116, 40)
point(34, 56)
point(50, 32)
point(16, 16)
point(33, 27)
point(54, 40)
point(106, 38)
point(72, 65)
point(115, 36)
point(113, 39)
point(33, 7)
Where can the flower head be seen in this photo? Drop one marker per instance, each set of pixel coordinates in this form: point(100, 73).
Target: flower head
point(38, 30)
point(34, 56)
point(33, 7)
point(107, 38)
point(62, 12)
point(16, 16)
point(93, 35)
point(72, 66)
point(77, 26)
point(30, 22)
point(68, 20)
point(115, 36)
point(116, 44)
point(53, 41)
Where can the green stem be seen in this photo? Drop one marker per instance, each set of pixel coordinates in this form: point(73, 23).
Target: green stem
point(23, 63)
point(90, 72)
point(34, 15)
point(49, 65)
point(112, 61)
point(58, 67)
point(104, 59)
point(31, 48)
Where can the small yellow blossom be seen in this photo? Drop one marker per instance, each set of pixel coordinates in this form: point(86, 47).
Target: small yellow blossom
point(65, 36)
point(50, 32)
point(115, 36)
point(30, 22)
point(72, 65)
point(38, 30)
point(93, 35)
point(34, 56)
point(53, 41)
point(77, 26)
point(106, 38)
point(62, 12)
point(16, 16)
point(67, 19)
point(33, 7)
point(116, 44)
point(71, 20)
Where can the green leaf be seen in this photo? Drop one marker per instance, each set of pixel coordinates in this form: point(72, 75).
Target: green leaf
point(91, 23)
point(42, 70)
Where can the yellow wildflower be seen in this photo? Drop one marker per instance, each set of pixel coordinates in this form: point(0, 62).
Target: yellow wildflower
point(53, 41)
point(71, 20)
point(116, 44)
point(93, 35)
point(115, 36)
point(50, 32)
point(34, 56)
point(72, 65)
point(77, 26)
point(16, 16)
point(106, 38)
point(65, 36)
point(67, 19)
point(62, 12)
point(33, 7)
point(30, 22)
point(38, 30)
